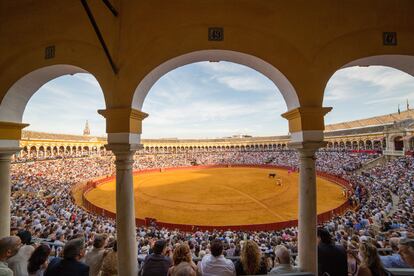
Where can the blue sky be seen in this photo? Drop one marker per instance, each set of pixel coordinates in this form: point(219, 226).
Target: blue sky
point(208, 100)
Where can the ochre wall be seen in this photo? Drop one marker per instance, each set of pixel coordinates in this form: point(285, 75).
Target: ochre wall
point(306, 40)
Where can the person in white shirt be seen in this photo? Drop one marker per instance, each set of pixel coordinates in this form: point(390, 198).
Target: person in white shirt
point(215, 264)
point(283, 261)
point(18, 263)
point(9, 246)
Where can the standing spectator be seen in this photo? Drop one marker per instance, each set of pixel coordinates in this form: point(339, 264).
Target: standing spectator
point(215, 264)
point(18, 263)
point(9, 246)
point(95, 257)
point(332, 259)
point(370, 262)
point(39, 260)
point(157, 264)
point(283, 261)
point(70, 265)
point(251, 261)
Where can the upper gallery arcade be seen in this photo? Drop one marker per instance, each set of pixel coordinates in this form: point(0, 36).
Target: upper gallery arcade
point(127, 45)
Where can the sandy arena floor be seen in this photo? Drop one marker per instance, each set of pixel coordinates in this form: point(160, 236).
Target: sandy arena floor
point(218, 196)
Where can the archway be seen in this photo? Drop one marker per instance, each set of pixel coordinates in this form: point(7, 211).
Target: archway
point(286, 88)
point(377, 75)
point(278, 79)
point(398, 143)
point(33, 152)
point(403, 63)
point(41, 151)
point(68, 150)
point(411, 143)
point(377, 145)
point(18, 95)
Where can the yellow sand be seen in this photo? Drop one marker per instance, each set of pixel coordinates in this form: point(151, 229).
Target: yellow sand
point(218, 196)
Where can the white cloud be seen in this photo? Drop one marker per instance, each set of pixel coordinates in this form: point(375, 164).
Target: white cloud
point(246, 83)
point(374, 81)
point(87, 78)
point(385, 77)
point(222, 67)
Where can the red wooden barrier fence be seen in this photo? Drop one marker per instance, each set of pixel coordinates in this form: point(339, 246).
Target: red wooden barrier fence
point(323, 217)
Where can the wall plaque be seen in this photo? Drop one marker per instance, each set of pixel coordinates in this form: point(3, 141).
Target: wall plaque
point(215, 34)
point(389, 38)
point(50, 52)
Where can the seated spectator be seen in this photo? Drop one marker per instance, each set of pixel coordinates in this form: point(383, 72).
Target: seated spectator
point(157, 264)
point(406, 250)
point(283, 261)
point(39, 260)
point(9, 246)
point(332, 259)
point(231, 250)
point(181, 254)
point(370, 261)
point(215, 264)
point(110, 261)
point(95, 257)
point(251, 261)
point(18, 263)
point(184, 269)
point(394, 260)
point(353, 259)
point(70, 265)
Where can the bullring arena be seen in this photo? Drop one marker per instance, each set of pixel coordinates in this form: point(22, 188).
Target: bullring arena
point(230, 188)
point(317, 199)
point(218, 196)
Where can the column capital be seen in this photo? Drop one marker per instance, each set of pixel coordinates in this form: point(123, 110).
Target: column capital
point(10, 134)
point(306, 118)
point(306, 122)
point(123, 120)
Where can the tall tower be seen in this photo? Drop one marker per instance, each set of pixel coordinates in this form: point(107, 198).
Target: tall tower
point(86, 130)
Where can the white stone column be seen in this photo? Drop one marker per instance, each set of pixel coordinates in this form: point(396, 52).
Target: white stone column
point(125, 210)
point(307, 220)
point(406, 143)
point(5, 187)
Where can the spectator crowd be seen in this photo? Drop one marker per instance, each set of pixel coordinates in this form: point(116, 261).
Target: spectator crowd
point(52, 235)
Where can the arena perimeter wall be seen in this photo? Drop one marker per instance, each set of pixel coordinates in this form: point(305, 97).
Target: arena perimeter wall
point(323, 217)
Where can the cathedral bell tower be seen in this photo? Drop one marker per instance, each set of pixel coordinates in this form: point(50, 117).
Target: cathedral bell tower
point(86, 130)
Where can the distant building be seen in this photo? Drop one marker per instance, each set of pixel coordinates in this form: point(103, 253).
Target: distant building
point(391, 133)
point(86, 130)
